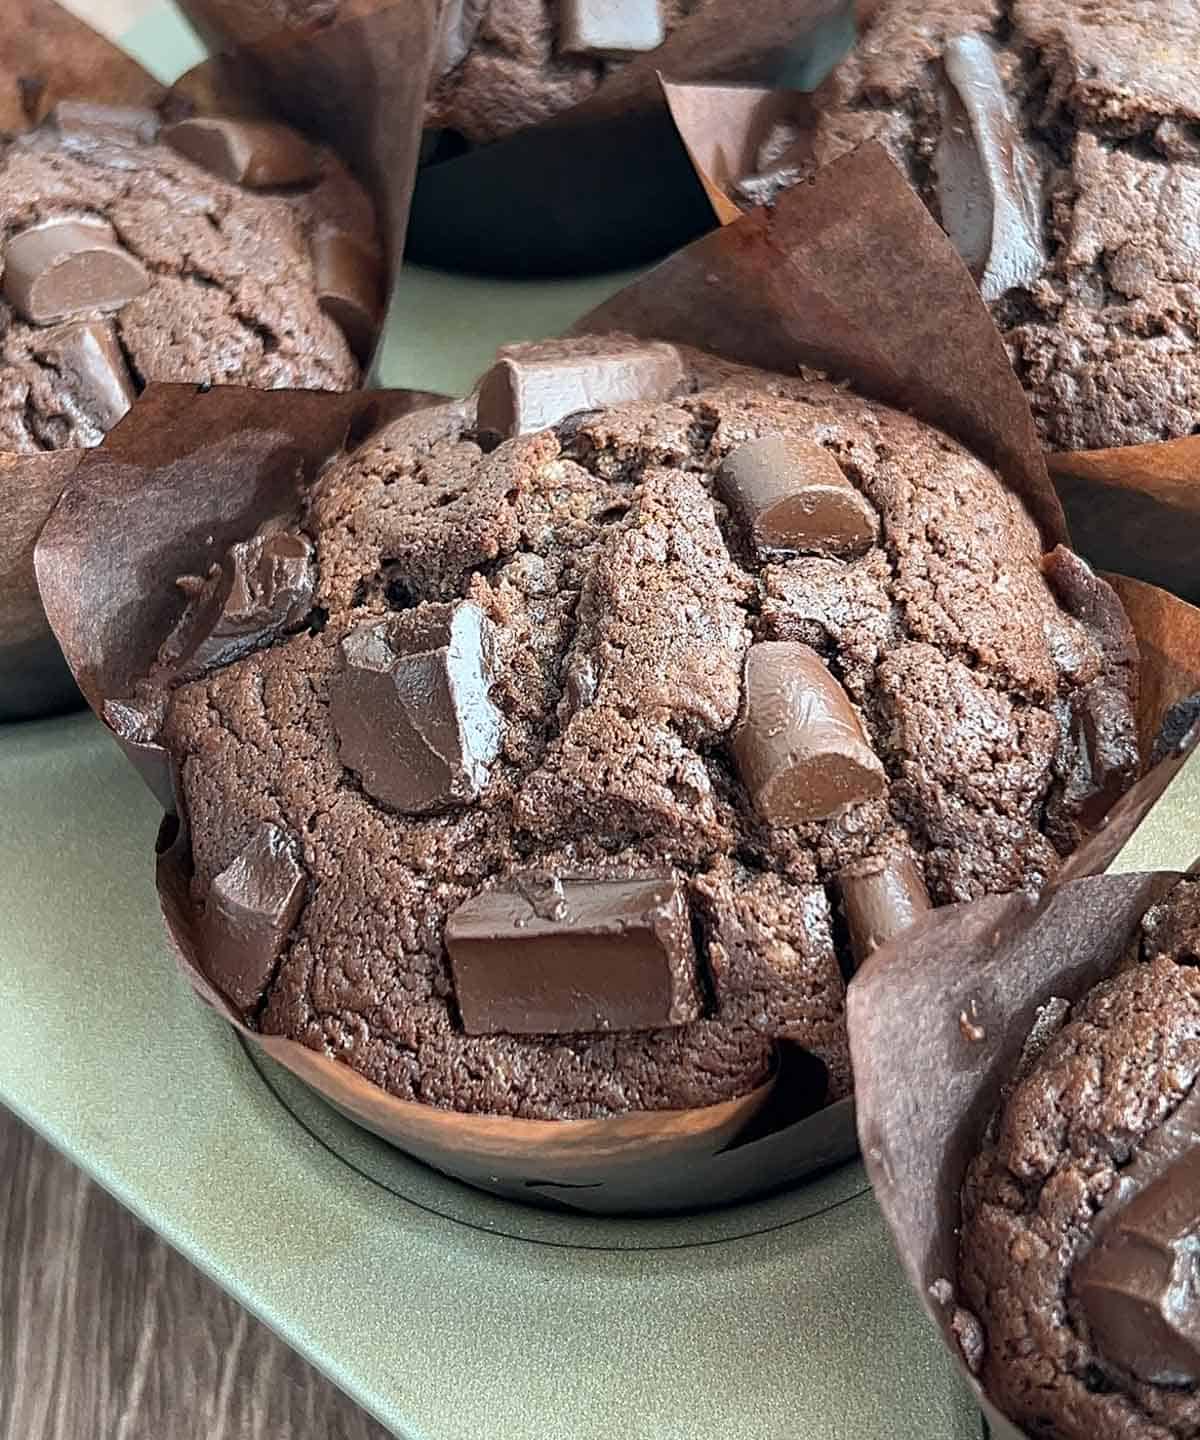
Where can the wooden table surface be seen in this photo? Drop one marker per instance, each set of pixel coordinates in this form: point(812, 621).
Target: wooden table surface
point(107, 1334)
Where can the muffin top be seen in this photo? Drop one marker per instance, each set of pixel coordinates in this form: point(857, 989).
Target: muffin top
point(508, 64)
point(1080, 1212)
point(124, 261)
point(1057, 142)
point(691, 681)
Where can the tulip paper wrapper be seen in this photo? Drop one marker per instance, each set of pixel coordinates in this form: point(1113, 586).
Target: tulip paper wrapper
point(928, 1083)
point(849, 275)
point(602, 185)
point(47, 55)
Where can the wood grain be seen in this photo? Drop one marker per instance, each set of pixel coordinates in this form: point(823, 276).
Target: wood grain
point(107, 1334)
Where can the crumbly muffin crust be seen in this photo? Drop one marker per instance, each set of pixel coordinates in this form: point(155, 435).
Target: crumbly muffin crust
point(623, 601)
point(232, 297)
point(1066, 1136)
point(1108, 103)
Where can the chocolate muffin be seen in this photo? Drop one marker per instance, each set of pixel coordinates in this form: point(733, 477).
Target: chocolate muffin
point(563, 758)
point(1080, 1213)
point(207, 251)
point(508, 64)
point(1059, 144)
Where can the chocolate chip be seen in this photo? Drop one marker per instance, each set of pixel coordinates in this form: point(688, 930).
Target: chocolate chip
point(799, 745)
point(252, 906)
point(349, 284)
point(1108, 729)
point(88, 355)
point(881, 897)
point(548, 956)
point(263, 588)
point(610, 28)
point(62, 269)
point(254, 153)
point(117, 124)
point(518, 397)
point(1136, 1286)
point(411, 707)
point(791, 495)
point(987, 181)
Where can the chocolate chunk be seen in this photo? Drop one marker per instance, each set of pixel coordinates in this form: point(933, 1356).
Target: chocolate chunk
point(456, 33)
point(252, 906)
point(572, 956)
point(61, 269)
point(987, 181)
point(1137, 1285)
point(791, 495)
point(117, 124)
point(411, 707)
point(610, 28)
point(263, 588)
point(89, 357)
point(518, 397)
point(881, 897)
point(254, 153)
point(1107, 729)
point(349, 283)
point(799, 746)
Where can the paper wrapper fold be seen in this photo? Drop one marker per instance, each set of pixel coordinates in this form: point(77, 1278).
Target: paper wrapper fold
point(928, 1084)
point(851, 274)
point(602, 185)
point(47, 55)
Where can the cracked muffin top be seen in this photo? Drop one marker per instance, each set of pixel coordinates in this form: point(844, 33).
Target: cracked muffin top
point(1058, 142)
point(565, 759)
point(1080, 1212)
point(207, 251)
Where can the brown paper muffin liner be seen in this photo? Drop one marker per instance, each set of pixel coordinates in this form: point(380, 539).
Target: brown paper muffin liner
point(600, 186)
point(811, 284)
point(47, 55)
point(937, 1024)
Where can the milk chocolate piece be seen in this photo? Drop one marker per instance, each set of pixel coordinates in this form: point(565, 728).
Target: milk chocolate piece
point(411, 707)
point(881, 897)
point(572, 956)
point(252, 906)
point(799, 746)
point(117, 124)
point(89, 356)
point(254, 153)
point(263, 588)
point(349, 282)
point(987, 181)
point(1138, 1286)
point(518, 397)
point(610, 28)
point(791, 495)
point(61, 269)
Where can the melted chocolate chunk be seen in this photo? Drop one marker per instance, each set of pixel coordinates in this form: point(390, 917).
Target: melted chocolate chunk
point(517, 397)
point(349, 282)
point(116, 124)
point(881, 898)
point(799, 745)
point(411, 707)
point(574, 956)
point(252, 906)
point(610, 28)
point(88, 355)
point(791, 495)
point(987, 181)
point(61, 269)
point(254, 153)
point(263, 588)
point(1138, 1286)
